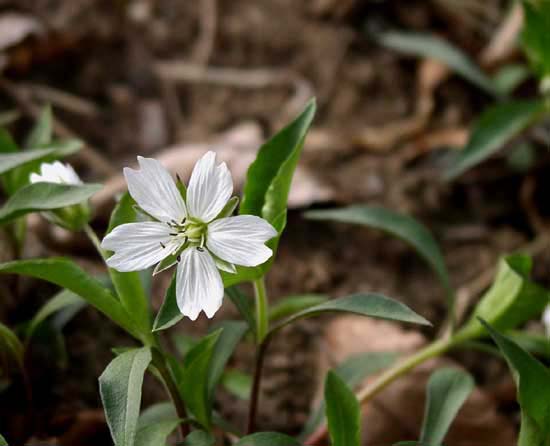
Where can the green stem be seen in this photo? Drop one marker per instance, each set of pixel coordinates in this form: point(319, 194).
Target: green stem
point(262, 317)
point(95, 241)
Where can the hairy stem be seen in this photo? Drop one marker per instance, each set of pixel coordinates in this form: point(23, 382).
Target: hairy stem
point(262, 321)
point(368, 392)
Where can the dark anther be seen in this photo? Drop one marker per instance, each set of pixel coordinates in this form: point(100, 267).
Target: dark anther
point(200, 249)
point(163, 245)
point(173, 234)
point(178, 177)
point(178, 258)
point(183, 220)
point(185, 239)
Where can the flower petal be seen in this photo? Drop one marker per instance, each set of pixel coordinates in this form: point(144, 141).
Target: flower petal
point(198, 284)
point(56, 172)
point(241, 239)
point(210, 187)
point(138, 246)
point(155, 190)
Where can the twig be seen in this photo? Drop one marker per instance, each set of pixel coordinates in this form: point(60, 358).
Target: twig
point(208, 25)
point(89, 154)
point(62, 99)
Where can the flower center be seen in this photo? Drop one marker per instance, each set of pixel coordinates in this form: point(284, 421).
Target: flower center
point(189, 232)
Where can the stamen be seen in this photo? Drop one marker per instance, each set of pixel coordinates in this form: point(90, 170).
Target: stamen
point(162, 245)
point(178, 258)
point(183, 220)
point(173, 234)
point(200, 249)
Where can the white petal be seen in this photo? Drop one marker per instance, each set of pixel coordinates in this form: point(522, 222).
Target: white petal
point(56, 172)
point(546, 319)
point(241, 239)
point(210, 187)
point(198, 284)
point(155, 190)
point(137, 246)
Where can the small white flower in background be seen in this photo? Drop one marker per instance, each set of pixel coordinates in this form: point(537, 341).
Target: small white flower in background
point(56, 172)
point(190, 232)
point(546, 319)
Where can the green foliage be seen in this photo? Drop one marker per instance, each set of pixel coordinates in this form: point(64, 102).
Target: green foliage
point(155, 434)
point(42, 132)
point(169, 313)
point(45, 197)
point(195, 382)
point(243, 305)
point(509, 77)
point(268, 184)
point(343, 412)
point(128, 285)
point(496, 126)
point(534, 37)
point(533, 382)
point(120, 389)
point(511, 300)
point(3, 441)
point(11, 349)
point(373, 305)
point(293, 304)
point(199, 438)
point(237, 383)
point(396, 224)
point(352, 371)
point(447, 391)
point(67, 274)
point(534, 343)
point(432, 47)
point(267, 439)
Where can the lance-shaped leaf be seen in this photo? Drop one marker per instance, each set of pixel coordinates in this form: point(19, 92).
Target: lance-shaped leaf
point(42, 131)
point(534, 36)
point(432, 47)
point(268, 183)
point(370, 304)
point(11, 349)
point(533, 382)
point(343, 412)
point(289, 305)
point(45, 197)
point(128, 285)
point(3, 441)
point(120, 389)
point(67, 274)
point(496, 126)
point(195, 379)
point(396, 224)
point(267, 439)
point(169, 313)
point(511, 300)
point(447, 391)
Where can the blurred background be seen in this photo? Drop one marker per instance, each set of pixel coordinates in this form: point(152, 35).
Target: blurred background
point(173, 78)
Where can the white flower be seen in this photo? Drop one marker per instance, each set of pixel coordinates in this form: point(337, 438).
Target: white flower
point(56, 172)
point(190, 232)
point(546, 319)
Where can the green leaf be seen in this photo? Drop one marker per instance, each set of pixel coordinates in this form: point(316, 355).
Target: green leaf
point(44, 197)
point(533, 382)
point(534, 37)
point(496, 126)
point(396, 224)
point(268, 183)
point(237, 383)
point(3, 441)
point(267, 439)
point(11, 349)
point(120, 389)
point(511, 300)
point(343, 412)
point(293, 304)
point(352, 371)
point(7, 144)
point(199, 438)
point(13, 160)
point(447, 391)
point(432, 47)
point(231, 334)
point(244, 305)
point(41, 133)
point(61, 300)
point(169, 313)
point(67, 274)
point(195, 381)
point(155, 434)
point(509, 77)
point(164, 411)
point(370, 304)
point(128, 285)
point(534, 343)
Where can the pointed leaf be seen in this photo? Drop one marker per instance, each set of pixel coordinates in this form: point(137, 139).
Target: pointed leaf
point(244, 305)
point(373, 305)
point(399, 225)
point(511, 300)
point(11, 349)
point(120, 389)
point(44, 197)
point(67, 274)
point(293, 304)
point(195, 380)
point(343, 412)
point(169, 313)
point(42, 132)
point(3, 441)
point(432, 47)
point(267, 439)
point(268, 183)
point(496, 126)
point(534, 36)
point(533, 382)
point(128, 285)
point(447, 391)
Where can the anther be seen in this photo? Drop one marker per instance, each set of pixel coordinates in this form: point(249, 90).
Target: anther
point(178, 258)
point(162, 245)
point(200, 249)
point(173, 234)
point(178, 177)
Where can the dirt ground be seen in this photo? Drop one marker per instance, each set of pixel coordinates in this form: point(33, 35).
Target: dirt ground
point(137, 76)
